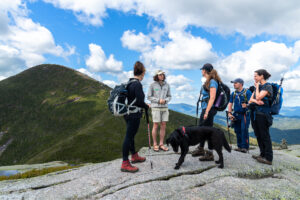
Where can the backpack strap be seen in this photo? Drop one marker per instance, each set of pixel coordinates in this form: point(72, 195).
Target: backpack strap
point(244, 94)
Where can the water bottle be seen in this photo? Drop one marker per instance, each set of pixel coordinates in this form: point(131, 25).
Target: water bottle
point(219, 100)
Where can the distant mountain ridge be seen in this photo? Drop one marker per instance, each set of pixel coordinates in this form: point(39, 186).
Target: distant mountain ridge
point(287, 127)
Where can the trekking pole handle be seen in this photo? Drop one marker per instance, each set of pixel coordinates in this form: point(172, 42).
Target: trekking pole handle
point(147, 115)
point(281, 80)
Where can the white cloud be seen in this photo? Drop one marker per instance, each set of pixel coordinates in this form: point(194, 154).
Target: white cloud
point(2, 77)
point(110, 83)
point(291, 81)
point(124, 76)
point(10, 60)
point(180, 83)
point(92, 75)
point(93, 11)
point(97, 61)
point(137, 42)
point(183, 51)
point(276, 58)
point(248, 17)
point(177, 80)
point(24, 42)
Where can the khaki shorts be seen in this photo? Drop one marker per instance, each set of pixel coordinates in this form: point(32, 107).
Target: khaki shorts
point(160, 114)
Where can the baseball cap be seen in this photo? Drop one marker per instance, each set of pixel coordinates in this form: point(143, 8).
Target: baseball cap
point(207, 67)
point(238, 80)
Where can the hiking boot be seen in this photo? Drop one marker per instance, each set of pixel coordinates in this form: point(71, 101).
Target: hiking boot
point(264, 161)
point(256, 156)
point(135, 158)
point(198, 152)
point(243, 150)
point(238, 149)
point(209, 156)
point(127, 167)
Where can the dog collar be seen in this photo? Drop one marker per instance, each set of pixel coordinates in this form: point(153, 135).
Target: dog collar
point(183, 129)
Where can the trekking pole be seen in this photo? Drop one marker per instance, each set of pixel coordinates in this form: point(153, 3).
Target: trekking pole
point(149, 138)
point(245, 129)
point(197, 110)
point(228, 128)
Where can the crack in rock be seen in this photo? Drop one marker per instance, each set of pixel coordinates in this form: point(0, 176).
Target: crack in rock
point(50, 185)
point(35, 188)
point(163, 178)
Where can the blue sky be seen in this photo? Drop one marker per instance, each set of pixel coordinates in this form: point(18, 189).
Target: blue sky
point(104, 38)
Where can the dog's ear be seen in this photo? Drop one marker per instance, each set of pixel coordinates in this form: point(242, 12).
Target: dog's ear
point(180, 132)
point(178, 137)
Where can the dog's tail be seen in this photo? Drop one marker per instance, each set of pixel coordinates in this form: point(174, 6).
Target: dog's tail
point(225, 143)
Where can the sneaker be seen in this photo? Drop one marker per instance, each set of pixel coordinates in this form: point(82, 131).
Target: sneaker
point(198, 152)
point(264, 161)
point(135, 158)
point(209, 156)
point(127, 167)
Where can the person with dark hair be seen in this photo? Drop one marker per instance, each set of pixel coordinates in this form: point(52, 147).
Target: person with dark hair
point(261, 118)
point(208, 92)
point(135, 92)
point(159, 94)
point(239, 115)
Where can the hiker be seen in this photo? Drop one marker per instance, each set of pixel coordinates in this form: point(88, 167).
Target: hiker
point(135, 91)
point(209, 91)
point(261, 118)
point(240, 117)
point(159, 94)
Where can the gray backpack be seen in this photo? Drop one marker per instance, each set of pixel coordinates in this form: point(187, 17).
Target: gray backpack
point(118, 101)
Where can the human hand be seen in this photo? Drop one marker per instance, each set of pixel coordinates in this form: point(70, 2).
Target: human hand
point(205, 116)
point(256, 84)
point(162, 101)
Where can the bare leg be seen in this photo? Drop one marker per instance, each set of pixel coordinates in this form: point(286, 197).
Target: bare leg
point(154, 133)
point(162, 132)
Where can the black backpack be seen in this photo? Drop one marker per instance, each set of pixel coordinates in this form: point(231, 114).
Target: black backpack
point(222, 97)
point(118, 101)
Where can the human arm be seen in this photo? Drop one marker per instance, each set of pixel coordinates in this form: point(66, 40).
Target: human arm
point(260, 94)
point(140, 96)
point(150, 95)
point(168, 97)
point(212, 97)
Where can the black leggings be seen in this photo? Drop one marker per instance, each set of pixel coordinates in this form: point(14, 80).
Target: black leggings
point(261, 123)
point(132, 127)
point(208, 122)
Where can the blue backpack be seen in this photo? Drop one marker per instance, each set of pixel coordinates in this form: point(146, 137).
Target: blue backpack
point(276, 101)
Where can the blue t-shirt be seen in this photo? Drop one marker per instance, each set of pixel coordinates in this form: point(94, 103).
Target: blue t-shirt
point(239, 99)
point(205, 94)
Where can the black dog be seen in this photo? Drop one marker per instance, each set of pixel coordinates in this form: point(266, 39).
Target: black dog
point(190, 136)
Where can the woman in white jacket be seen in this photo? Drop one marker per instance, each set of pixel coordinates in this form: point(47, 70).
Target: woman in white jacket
point(159, 94)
